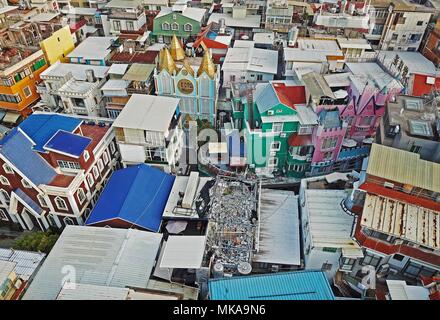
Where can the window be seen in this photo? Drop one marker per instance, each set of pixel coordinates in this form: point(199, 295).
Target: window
point(7, 168)
point(61, 204)
point(68, 165)
point(117, 25)
point(398, 257)
point(420, 23)
point(90, 179)
point(105, 157)
point(277, 127)
point(394, 36)
point(326, 266)
point(42, 201)
point(100, 165)
point(328, 156)
point(68, 221)
point(165, 26)
point(259, 77)
point(273, 162)
point(188, 27)
point(95, 172)
point(112, 147)
point(366, 121)
point(130, 25)
point(275, 146)
point(27, 91)
point(25, 184)
point(329, 143)
point(232, 78)
point(86, 155)
point(371, 260)
point(3, 215)
point(175, 26)
point(5, 196)
point(4, 181)
point(81, 195)
point(305, 130)
point(415, 149)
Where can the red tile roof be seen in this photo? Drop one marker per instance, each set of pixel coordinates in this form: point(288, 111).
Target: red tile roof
point(148, 57)
point(62, 181)
point(290, 95)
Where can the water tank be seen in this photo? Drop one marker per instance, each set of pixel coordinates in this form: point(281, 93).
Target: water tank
point(218, 270)
point(292, 36)
point(222, 26)
point(244, 268)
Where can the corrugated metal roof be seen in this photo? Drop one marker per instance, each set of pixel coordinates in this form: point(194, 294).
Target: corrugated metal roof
point(279, 228)
point(403, 220)
point(80, 291)
point(403, 167)
point(183, 252)
point(300, 285)
point(99, 256)
point(329, 225)
point(6, 267)
point(27, 262)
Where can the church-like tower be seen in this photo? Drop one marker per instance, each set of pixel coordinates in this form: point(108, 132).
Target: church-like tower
point(195, 81)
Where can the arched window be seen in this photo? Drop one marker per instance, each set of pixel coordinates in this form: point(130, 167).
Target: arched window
point(188, 27)
point(68, 221)
point(165, 26)
point(175, 26)
point(5, 197)
point(42, 201)
point(61, 204)
point(81, 195)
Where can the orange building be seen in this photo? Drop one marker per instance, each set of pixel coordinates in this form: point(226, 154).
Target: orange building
point(431, 50)
point(19, 75)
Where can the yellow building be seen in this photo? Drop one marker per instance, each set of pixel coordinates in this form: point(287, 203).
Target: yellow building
point(58, 45)
point(9, 282)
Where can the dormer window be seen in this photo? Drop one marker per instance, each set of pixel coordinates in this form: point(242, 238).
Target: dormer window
point(175, 26)
point(188, 27)
point(25, 183)
point(7, 168)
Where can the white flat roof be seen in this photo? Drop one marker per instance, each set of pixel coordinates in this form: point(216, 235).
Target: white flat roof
point(147, 112)
point(7, 8)
point(115, 84)
point(415, 61)
point(315, 44)
point(93, 48)
point(100, 256)
point(309, 55)
point(243, 44)
point(399, 290)
point(44, 17)
point(357, 43)
point(183, 252)
point(251, 59)
point(329, 225)
point(78, 70)
point(171, 210)
point(118, 68)
point(251, 21)
point(279, 241)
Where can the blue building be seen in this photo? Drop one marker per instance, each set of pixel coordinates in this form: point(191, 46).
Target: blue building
point(300, 285)
point(134, 197)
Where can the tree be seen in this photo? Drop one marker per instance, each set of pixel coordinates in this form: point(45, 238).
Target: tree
point(37, 241)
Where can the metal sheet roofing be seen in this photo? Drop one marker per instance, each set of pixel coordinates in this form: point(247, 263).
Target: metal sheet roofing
point(137, 195)
point(18, 150)
point(300, 285)
point(93, 48)
point(403, 220)
point(81, 291)
point(317, 86)
point(330, 226)
point(399, 290)
point(251, 59)
point(139, 72)
point(147, 112)
point(100, 256)
point(279, 241)
point(6, 268)
point(183, 252)
point(40, 128)
point(68, 143)
point(415, 61)
point(78, 71)
point(403, 167)
point(28, 200)
point(26, 262)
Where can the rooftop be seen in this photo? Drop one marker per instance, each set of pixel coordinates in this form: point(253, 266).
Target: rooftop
point(371, 73)
point(93, 48)
point(196, 14)
point(250, 21)
point(142, 112)
point(299, 285)
point(279, 241)
point(78, 71)
point(251, 59)
point(100, 256)
point(415, 61)
point(403, 167)
point(26, 262)
point(136, 195)
point(315, 44)
point(68, 143)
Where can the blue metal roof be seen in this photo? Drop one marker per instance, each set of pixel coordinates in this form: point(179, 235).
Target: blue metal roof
point(18, 150)
point(299, 285)
point(266, 98)
point(68, 143)
point(353, 153)
point(137, 195)
point(28, 200)
point(41, 127)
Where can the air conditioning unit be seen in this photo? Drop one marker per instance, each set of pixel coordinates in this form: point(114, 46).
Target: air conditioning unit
point(388, 185)
point(270, 113)
point(282, 135)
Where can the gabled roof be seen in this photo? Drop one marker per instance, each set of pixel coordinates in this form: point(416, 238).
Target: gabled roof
point(137, 195)
point(18, 150)
point(275, 93)
point(67, 143)
point(40, 128)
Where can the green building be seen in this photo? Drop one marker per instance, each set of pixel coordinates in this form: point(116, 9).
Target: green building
point(180, 20)
point(277, 127)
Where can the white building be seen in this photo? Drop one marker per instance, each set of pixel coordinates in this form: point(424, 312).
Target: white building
point(74, 88)
point(327, 230)
point(149, 129)
point(249, 65)
point(123, 15)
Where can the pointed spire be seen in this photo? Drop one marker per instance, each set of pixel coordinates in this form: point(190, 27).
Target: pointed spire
point(176, 49)
point(167, 62)
point(188, 67)
point(207, 65)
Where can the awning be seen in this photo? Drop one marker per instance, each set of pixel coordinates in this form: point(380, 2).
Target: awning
point(336, 176)
point(11, 117)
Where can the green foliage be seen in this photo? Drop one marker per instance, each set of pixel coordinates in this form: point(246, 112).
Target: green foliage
point(37, 241)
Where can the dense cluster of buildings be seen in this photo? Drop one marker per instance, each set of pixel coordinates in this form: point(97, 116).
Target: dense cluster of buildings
point(216, 149)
